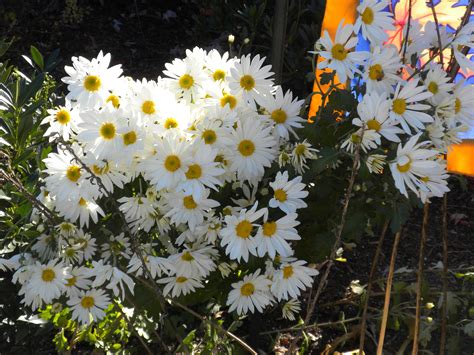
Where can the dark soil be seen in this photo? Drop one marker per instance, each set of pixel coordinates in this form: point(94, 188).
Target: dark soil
point(142, 36)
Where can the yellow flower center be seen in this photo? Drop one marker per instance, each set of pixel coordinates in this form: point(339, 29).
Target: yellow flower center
point(230, 100)
point(374, 124)
point(355, 138)
point(170, 123)
point(399, 106)
point(247, 82)
point(269, 228)
point(288, 271)
point(129, 138)
point(48, 275)
point(187, 256)
point(115, 100)
point(107, 131)
point(247, 289)
point(148, 107)
point(100, 170)
point(246, 147)
point(339, 52)
point(194, 171)
point(189, 203)
point(209, 136)
point(73, 173)
point(181, 279)
point(218, 75)
point(405, 167)
point(243, 229)
point(457, 106)
point(433, 87)
point(425, 179)
point(368, 16)
point(280, 195)
point(279, 116)
point(63, 116)
point(186, 81)
point(82, 202)
point(87, 302)
point(300, 149)
point(172, 163)
point(376, 72)
point(92, 83)
point(71, 281)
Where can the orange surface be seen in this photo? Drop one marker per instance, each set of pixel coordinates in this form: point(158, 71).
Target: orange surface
point(336, 10)
point(461, 158)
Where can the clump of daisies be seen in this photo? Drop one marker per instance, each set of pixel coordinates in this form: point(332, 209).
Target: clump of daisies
point(187, 160)
point(408, 114)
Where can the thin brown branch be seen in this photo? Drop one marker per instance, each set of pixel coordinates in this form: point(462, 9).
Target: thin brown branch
point(373, 269)
point(435, 17)
point(388, 290)
point(405, 44)
point(444, 308)
point(337, 243)
point(453, 66)
point(312, 326)
point(419, 282)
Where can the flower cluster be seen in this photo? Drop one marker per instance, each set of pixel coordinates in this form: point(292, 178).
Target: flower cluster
point(409, 98)
point(189, 161)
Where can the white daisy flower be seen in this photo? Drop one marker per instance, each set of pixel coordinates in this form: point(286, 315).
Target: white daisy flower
point(374, 21)
point(202, 172)
point(290, 308)
point(465, 37)
point(77, 281)
point(101, 132)
point(195, 264)
point(375, 163)
point(287, 195)
point(167, 168)
point(186, 209)
point(249, 294)
point(412, 164)
point(47, 281)
point(115, 277)
point(83, 210)
point(272, 236)
point(250, 79)
point(108, 172)
point(156, 265)
point(117, 246)
point(300, 153)
point(45, 246)
point(373, 113)
point(291, 279)
point(87, 245)
point(464, 103)
point(89, 82)
point(283, 112)
point(217, 66)
point(367, 140)
point(253, 149)
point(62, 121)
point(186, 79)
point(237, 233)
point(337, 54)
point(179, 285)
point(437, 83)
point(406, 107)
point(89, 306)
point(380, 72)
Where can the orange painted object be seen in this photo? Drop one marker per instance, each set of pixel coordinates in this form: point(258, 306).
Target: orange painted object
point(336, 10)
point(461, 158)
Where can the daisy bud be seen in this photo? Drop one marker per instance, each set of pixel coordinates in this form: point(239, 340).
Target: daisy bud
point(231, 39)
point(247, 40)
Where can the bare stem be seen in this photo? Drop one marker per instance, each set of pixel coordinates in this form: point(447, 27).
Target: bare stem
point(444, 308)
point(405, 44)
point(435, 17)
point(312, 326)
point(388, 290)
point(424, 228)
point(373, 269)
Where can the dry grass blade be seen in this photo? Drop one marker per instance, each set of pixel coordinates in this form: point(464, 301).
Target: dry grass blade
point(388, 290)
point(421, 256)
point(373, 269)
point(444, 309)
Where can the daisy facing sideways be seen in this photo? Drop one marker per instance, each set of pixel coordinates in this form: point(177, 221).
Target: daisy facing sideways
point(374, 21)
point(291, 279)
point(249, 294)
point(179, 285)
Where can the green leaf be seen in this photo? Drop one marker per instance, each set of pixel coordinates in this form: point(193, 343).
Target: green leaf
point(37, 57)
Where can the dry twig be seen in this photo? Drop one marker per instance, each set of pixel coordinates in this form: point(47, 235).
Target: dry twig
point(444, 309)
